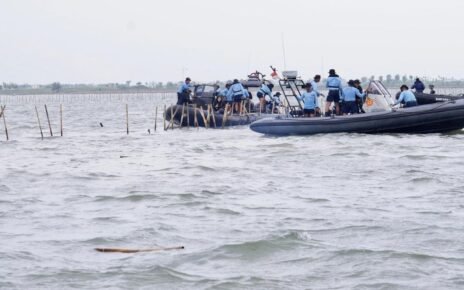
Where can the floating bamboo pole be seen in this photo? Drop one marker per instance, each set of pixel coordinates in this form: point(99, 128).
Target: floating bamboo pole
point(38, 120)
point(61, 119)
point(156, 116)
point(4, 123)
point(129, 251)
point(48, 120)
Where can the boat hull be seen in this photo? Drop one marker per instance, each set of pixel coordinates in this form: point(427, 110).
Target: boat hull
point(433, 118)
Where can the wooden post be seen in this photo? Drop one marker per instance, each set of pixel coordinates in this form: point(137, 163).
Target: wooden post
point(164, 118)
point(127, 119)
point(38, 120)
point(61, 119)
point(182, 115)
point(172, 119)
point(48, 119)
point(203, 116)
point(188, 116)
point(214, 117)
point(195, 118)
point(273, 104)
point(4, 122)
point(224, 117)
point(156, 116)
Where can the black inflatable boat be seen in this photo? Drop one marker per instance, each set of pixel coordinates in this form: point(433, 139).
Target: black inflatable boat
point(433, 118)
point(424, 99)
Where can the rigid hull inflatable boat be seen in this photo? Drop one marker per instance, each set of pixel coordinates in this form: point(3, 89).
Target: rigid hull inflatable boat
point(442, 116)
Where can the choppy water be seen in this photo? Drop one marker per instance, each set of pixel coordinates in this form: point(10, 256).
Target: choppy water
point(253, 212)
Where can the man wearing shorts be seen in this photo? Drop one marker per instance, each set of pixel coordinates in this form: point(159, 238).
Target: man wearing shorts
point(334, 85)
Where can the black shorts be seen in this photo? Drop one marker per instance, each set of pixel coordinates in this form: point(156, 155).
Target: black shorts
point(309, 111)
point(333, 96)
point(238, 99)
point(350, 107)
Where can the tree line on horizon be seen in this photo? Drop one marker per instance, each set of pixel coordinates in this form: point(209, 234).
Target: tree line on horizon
point(388, 80)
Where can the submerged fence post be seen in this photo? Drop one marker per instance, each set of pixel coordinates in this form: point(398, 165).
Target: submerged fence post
point(127, 119)
point(61, 119)
point(2, 114)
point(48, 119)
point(156, 116)
point(164, 118)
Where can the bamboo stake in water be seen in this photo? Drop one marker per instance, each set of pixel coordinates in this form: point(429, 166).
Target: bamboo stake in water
point(224, 116)
point(195, 118)
point(202, 114)
point(188, 116)
point(61, 119)
point(4, 123)
point(38, 120)
point(164, 118)
point(214, 117)
point(182, 115)
point(127, 119)
point(48, 119)
point(2, 108)
point(156, 116)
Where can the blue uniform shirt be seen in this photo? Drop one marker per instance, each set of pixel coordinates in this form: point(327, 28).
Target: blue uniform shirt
point(222, 92)
point(236, 90)
point(350, 93)
point(406, 96)
point(334, 83)
point(183, 88)
point(309, 99)
point(315, 87)
point(264, 89)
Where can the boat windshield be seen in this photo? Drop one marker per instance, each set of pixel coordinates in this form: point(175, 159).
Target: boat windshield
point(378, 98)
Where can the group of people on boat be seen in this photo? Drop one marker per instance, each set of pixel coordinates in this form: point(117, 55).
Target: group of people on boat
point(346, 100)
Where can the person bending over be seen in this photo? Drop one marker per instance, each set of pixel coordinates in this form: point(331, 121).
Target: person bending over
point(407, 96)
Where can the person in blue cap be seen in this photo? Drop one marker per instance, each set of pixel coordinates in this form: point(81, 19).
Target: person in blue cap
point(183, 93)
point(407, 97)
point(349, 98)
point(334, 85)
point(309, 99)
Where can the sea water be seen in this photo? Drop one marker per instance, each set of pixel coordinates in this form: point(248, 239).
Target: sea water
point(341, 211)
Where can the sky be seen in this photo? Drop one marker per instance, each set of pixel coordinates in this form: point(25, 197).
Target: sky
point(99, 41)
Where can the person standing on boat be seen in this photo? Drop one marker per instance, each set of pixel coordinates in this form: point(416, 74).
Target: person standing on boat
point(221, 95)
point(237, 92)
point(349, 98)
point(314, 84)
point(359, 101)
point(407, 97)
point(432, 91)
point(183, 93)
point(264, 90)
point(334, 85)
point(309, 99)
point(418, 86)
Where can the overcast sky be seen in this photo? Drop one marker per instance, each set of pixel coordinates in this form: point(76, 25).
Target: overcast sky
point(83, 41)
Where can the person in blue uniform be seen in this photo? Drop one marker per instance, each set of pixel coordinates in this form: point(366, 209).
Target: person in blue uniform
point(274, 103)
point(349, 98)
point(315, 84)
point(309, 99)
point(359, 101)
point(407, 97)
point(264, 90)
point(418, 86)
point(221, 95)
point(334, 85)
point(237, 92)
point(183, 93)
